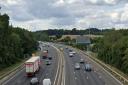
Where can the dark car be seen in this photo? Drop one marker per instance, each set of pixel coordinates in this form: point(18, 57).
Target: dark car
point(50, 58)
point(47, 51)
point(70, 50)
point(48, 62)
point(88, 67)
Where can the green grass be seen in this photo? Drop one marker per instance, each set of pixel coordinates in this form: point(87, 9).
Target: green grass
point(115, 69)
point(14, 66)
point(10, 68)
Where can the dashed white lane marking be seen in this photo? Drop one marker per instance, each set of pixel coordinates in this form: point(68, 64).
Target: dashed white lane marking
point(74, 72)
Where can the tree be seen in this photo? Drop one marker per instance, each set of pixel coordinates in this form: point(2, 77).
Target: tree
point(113, 49)
point(58, 36)
point(14, 43)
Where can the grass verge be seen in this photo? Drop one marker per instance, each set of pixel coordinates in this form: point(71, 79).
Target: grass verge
point(94, 57)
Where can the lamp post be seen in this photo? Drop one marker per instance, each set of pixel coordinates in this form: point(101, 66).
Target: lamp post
point(0, 9)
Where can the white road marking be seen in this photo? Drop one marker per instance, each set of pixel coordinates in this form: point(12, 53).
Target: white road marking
point(17, 73)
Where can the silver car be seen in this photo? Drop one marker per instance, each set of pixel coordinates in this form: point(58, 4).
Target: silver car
point(77, 66)
point(34, 81)
point(81, 61)
point(70, 55)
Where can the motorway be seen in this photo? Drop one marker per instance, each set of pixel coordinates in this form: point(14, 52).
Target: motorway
point(70, 76)
point(45, 71)
point(80, 77)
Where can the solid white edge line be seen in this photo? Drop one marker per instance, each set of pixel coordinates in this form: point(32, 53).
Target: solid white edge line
point(57, 67)
point(104, 69)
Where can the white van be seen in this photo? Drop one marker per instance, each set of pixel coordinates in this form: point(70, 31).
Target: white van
point(46, 82)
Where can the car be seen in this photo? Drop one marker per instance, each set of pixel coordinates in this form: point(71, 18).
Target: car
point(61, 49)
point(47, 51)
point(70, 50)
point(77, 66)
point(81, 61)
point(47, 82)
point(50, 58)
point(48, 62)
point(34, 81)
point(88, 67)
point(70, 55)
point(73, 52)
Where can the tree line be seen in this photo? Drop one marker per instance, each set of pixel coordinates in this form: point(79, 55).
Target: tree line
point(113, 49)
point(74, 31)
point(15, 43)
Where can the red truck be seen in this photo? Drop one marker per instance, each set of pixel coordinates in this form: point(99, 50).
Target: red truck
point(45, 54)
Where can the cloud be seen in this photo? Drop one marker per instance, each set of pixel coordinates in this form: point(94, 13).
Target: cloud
point(46, 14)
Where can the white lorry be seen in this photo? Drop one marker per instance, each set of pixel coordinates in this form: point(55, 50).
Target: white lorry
point(32, 65)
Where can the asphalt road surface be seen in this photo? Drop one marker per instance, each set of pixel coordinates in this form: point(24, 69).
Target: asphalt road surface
point(81, 77)
point(45, 71)
point(72, 77)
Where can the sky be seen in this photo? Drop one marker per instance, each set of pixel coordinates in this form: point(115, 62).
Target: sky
point(66, 14)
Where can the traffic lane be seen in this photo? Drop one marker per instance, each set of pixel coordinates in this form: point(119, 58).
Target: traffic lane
point(70, 77)
point(108, 79)
point(80, 74)
point(93, 78)
point(21, 79)
point(26, 81)
point(51, 72)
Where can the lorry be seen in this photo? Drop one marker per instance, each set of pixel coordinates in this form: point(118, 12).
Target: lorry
point(32, 65)
point(45, 54)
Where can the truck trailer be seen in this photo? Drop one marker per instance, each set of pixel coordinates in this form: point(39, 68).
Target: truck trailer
point(32, 65)
point(45, 54)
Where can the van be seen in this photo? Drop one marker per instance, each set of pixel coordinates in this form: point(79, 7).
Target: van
point(47, 82)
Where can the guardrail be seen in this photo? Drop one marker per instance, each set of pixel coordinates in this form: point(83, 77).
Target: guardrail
point(120, 77)
point(7, 75)
point(113, 72)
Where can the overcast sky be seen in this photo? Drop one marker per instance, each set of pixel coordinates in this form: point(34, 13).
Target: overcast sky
point(66, 14)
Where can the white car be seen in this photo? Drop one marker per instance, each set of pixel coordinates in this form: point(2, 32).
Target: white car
point(81, 61)
point(47, 82)
point(77, 66)
point(73, 52)
point(70, 55)
point(34, 81)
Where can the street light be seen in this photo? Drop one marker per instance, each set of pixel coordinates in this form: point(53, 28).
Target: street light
point(0, 9)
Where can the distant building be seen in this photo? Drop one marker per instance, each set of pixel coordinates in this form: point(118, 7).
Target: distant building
point(83, 40)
